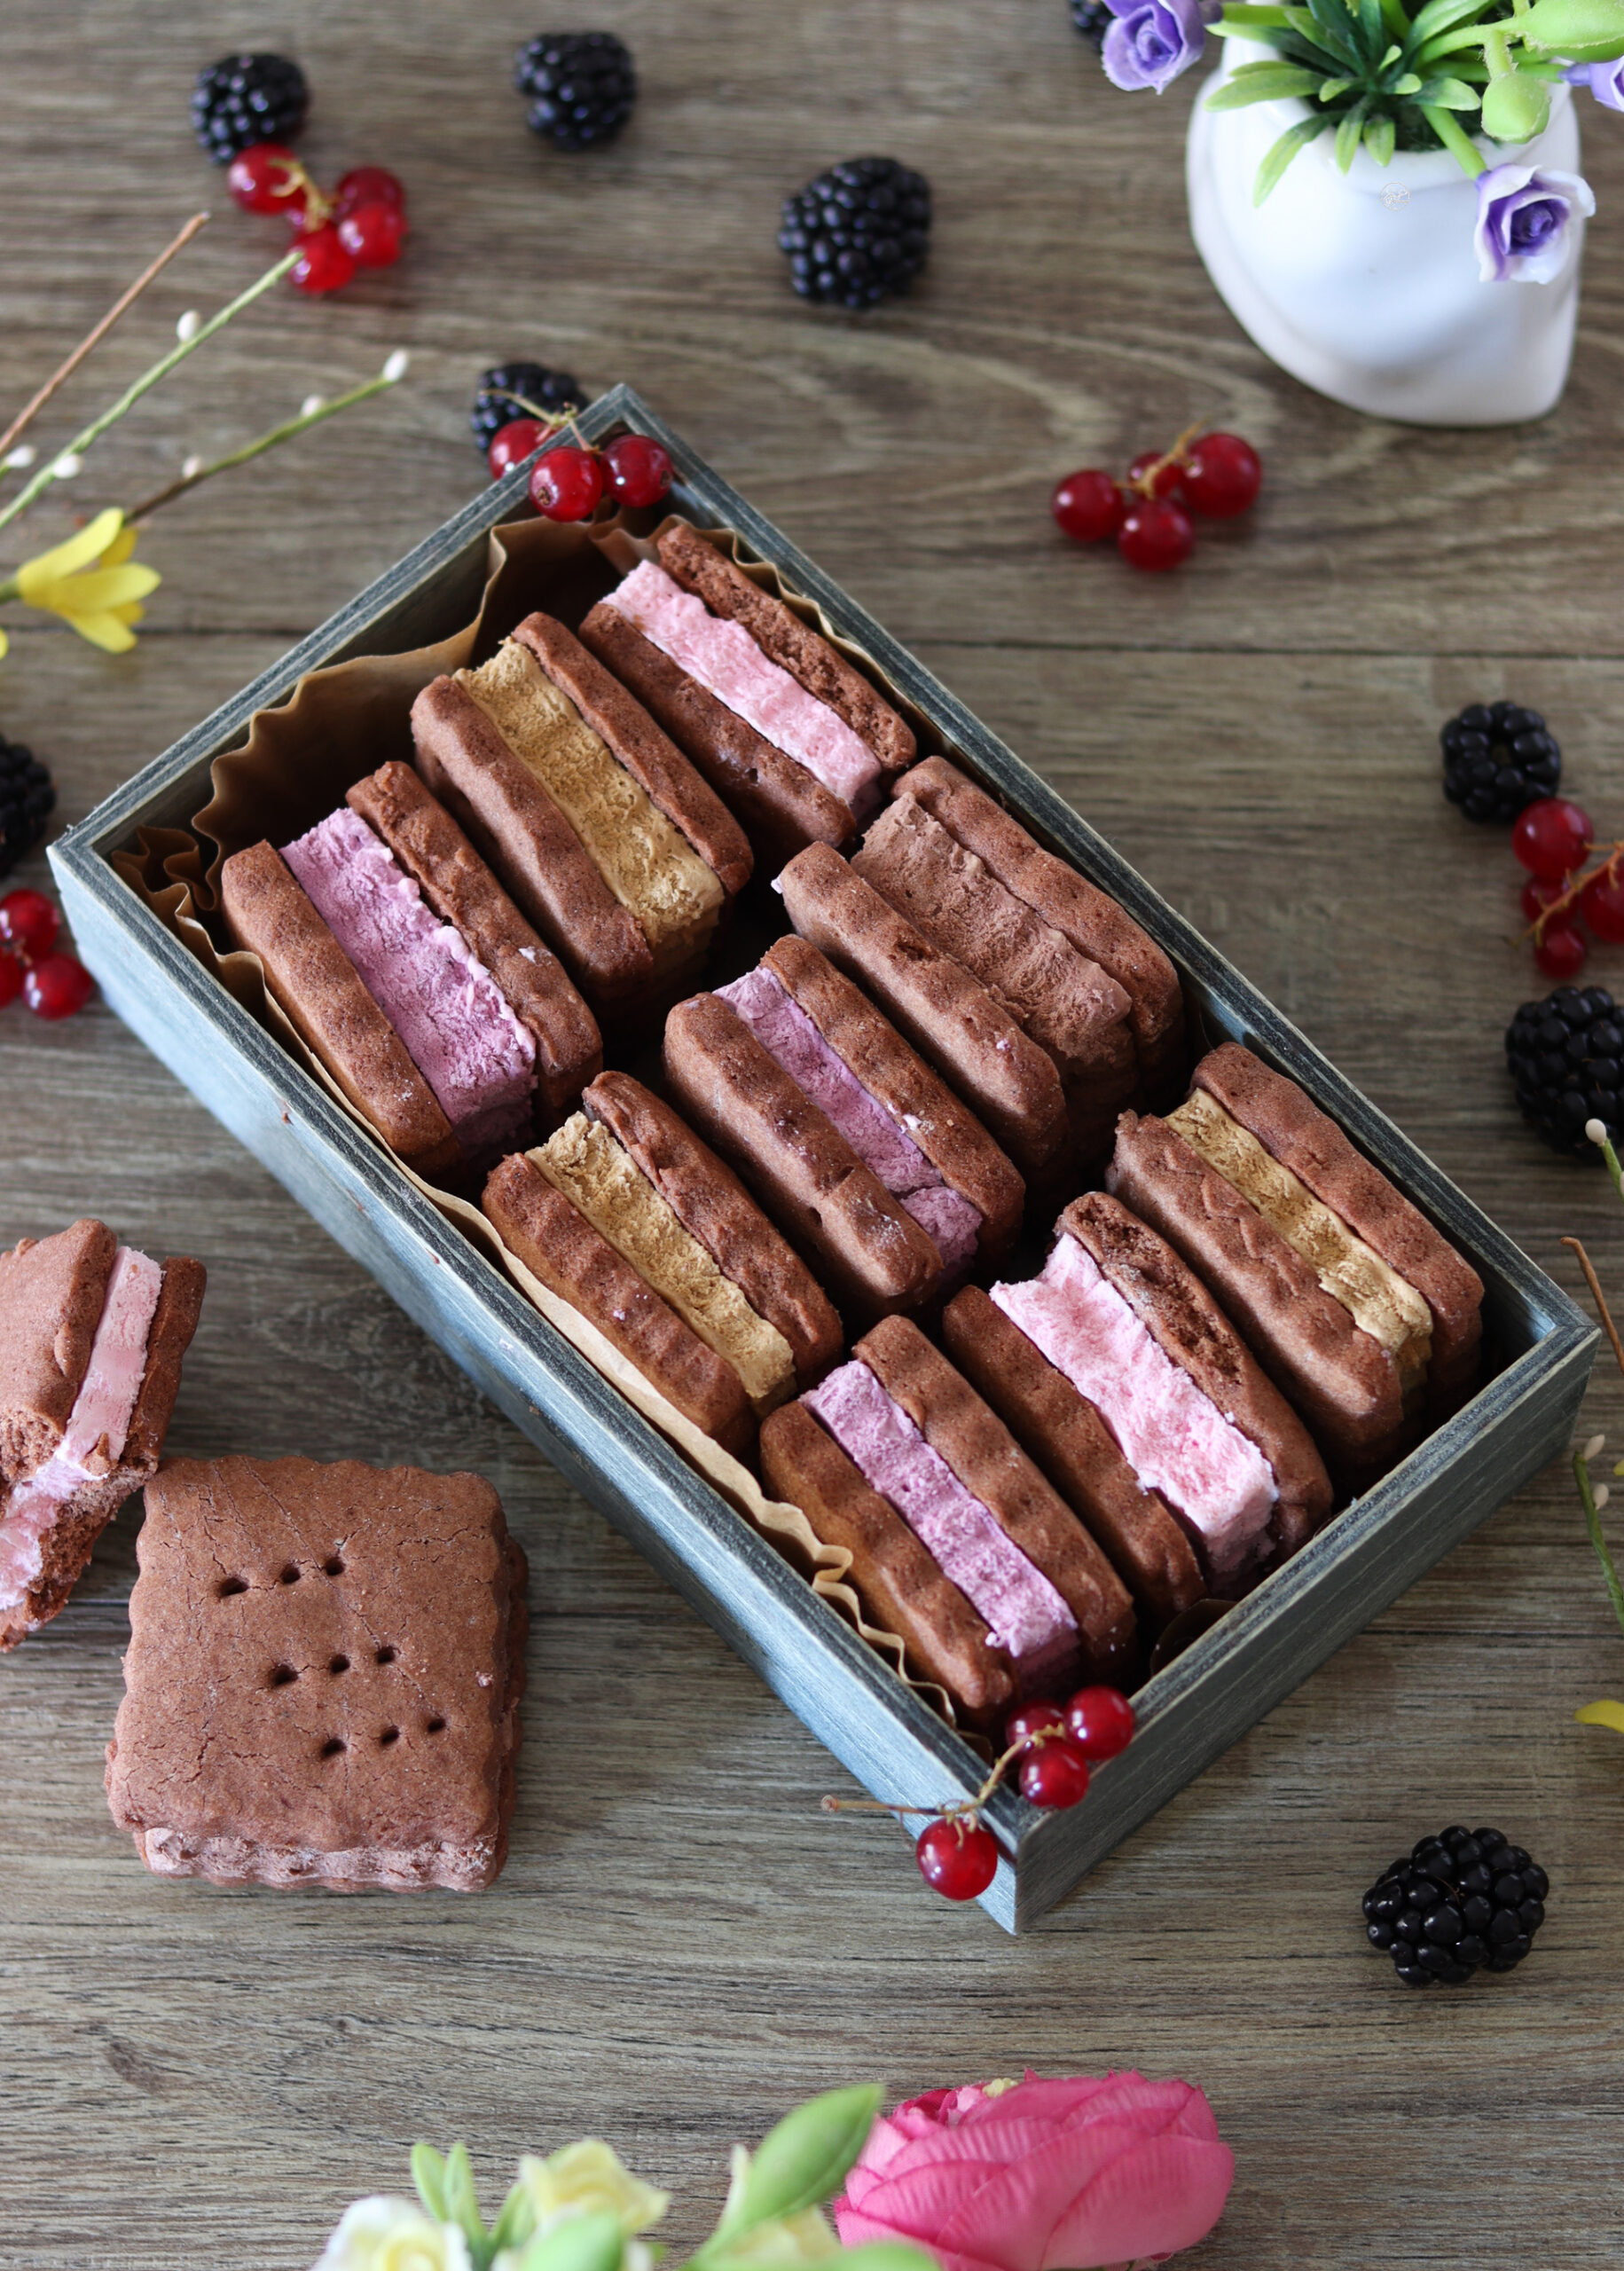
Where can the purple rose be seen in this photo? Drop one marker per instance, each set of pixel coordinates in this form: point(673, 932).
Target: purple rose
point(1606, 81)
point(1523, 215)
point(1152, 41)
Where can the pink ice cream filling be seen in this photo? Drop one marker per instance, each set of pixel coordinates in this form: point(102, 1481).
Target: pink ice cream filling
point(794, 1044)
point(449, 1011)
point(1174, 1437)
point(1023, 1614)
point(726, 660)
point(99, 1422)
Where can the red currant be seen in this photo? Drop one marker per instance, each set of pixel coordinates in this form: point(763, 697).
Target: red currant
point(269, 179)
point(1222, 476)
point(638, 469)
point(1549, 837)
point(366, 185)
point(566, 483)
point(1100, 1722)
point(1561, 952)
point(373, 235)
point(1021, 1724)
point(28, 921)
point(11, 977)
point(959, 1858)
point(57, 986)
point(1537, 896)
point(1056, 1776)
point(513, 443)
point(1168, 483)
point(1088, 506)
point(1156, 535)
point(323, 265)
point(1601, 904)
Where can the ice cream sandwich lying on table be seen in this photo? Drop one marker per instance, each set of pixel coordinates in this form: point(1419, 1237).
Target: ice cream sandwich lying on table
point(405, 967)
point(958, 1544)
point(867, 1162)
point(619, 853)
point(1122, 1318)
point(1348, 1297)
point(958, 1025)
point(1082, 979)
point(627, 1216)
point(92, 1339)
point(796, 741)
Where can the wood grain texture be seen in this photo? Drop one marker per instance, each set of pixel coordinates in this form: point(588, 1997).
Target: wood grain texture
point(682, 1944)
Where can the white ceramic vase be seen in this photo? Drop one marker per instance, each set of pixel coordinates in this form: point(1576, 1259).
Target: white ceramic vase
point(1365, 285)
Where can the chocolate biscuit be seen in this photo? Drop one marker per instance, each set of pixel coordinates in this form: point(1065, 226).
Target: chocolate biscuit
point(649, 756)
point(1185, 1321)
point(690, 560)
point(460, 888)
point(828, 1203)
point(323, 1678)
point(780, 804)
point(51, 1292)
point(1062, 1431)
point(952, 1019)
point(974, 1441)
point(900, 1587)
point(713, 1205)
point(1094, 923)
point(560, 1246)
point(318, 988)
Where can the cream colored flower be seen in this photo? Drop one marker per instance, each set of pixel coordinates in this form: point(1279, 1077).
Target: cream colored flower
point(588, 2178)
point(90, 582)
point(783, 2242)
point(383, 2235)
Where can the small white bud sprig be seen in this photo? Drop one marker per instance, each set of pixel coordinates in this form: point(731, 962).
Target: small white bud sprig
point(1594, 1497)
point(186, 329)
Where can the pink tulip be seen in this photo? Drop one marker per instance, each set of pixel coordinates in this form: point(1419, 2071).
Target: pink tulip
point(1084, 2175)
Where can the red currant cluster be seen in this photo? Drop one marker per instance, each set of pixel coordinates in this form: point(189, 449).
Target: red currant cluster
point(53, 984)
point(1056, 1747)
point(1148, 514)
point(572, 480)
point(1551, 837)
point(362, 224)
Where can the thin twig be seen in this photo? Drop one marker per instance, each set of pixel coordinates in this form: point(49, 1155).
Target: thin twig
point(1599, 1298)
point(283, 432)
point(25, 417)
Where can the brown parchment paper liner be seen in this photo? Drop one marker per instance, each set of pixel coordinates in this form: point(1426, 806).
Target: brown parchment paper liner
point(341, 724)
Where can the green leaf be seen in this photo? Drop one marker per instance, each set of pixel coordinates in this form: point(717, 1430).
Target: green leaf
point(592, 2242)
point(1261, 82)
point(1584, 31)
point(513, 2227)
point(1407, 85)
point(1372, 27)
point(892, 2254)
point(1329, 88)
point(1238, 17)
point(1442, 16)
point(428, 2175)
point(1334, 28)
point(1380, 136)
point(461, 2199)
point(1451, 94)
point(1389, 59)
point(804, 2161)
point(1516, 108)
point(1461, 145)
point(1295, 139)
point(1348, 133)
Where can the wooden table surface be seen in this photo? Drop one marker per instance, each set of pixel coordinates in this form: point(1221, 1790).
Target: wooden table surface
point(682, 1944)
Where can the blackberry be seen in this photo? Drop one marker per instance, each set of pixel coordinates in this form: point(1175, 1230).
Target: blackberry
point(494, 408)
point(859, 233)
point(247, 99)
point(1498, 757)
point(1566, 1055)
point(1093, 19)
point(581, 84)
point(1464, 1902)
point(26, 800)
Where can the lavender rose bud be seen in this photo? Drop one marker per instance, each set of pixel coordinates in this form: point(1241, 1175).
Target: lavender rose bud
point(1606, 81)
point(1523, 213)
point(1152, 41)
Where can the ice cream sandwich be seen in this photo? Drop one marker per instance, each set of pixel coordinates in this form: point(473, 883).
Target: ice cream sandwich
point(625, 1215)
point(1346, 1294)
point(92, 1339)
point(958, 1544)
point(864, 1158)
point(622, 856)
point(957, 1024)
point(1139, 1336)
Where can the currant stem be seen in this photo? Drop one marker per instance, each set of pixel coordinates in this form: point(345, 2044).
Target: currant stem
point(961, 1808)
point(277, 434)
point(1574, 892)
point(1145, 485)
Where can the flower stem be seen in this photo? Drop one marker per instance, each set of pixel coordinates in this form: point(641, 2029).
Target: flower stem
point(1593, 1523)
point(1454, 138)
point(143, 385)
point(1594, 1282)
point(249, 450)
point(92, 339)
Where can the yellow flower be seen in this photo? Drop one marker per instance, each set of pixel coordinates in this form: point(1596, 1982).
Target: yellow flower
point(381, 2234)
point(588, 2178)
point(1603, 1715)
point(90, 582)
point(785, 2243)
